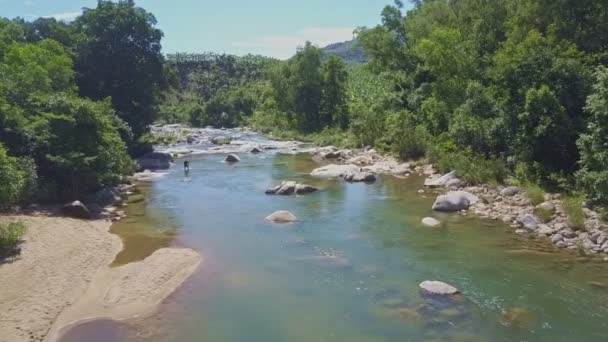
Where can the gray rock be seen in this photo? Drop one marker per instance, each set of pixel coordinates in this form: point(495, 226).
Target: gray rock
point(561, 244)
point(431, 222)
point(529, 222)
point(255, 150)
point(568, 233)
point(232, 158)
point(455, 201)
point(544, 229)
point(510, 191)
point(454, 183)
point(521, 231)
point(438, 288)
point(282, 216)
point(334, 171)
point(440, 181)
point(287, 188)
point(547, 206)
point(401, 169)
point(77, 210)
point(557, 238)
point(360, 177)
point(220, 140)
point(154, 161)
point(302, 189)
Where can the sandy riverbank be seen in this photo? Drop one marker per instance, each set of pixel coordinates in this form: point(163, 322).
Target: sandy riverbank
point(63, 276)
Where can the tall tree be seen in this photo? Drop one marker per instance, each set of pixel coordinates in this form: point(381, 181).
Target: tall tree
point(119, 56)
point(334, 106)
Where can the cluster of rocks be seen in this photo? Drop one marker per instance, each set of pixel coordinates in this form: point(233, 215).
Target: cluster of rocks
point(512, 206)
point(365, 160)
point(103, 204)
point(287, 188)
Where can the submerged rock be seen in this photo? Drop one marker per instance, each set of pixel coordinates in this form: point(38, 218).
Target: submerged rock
point(232, 158)
point(517, 317)
point(455, 201)
point(438, 288)
point(305, 189)
point(282, 216)
point(77, 210)
point(431, 222)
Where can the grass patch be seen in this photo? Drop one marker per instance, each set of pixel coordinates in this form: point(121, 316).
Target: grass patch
point(535, 193)
point(543, 214)
point(573, 207)
point(10, 236)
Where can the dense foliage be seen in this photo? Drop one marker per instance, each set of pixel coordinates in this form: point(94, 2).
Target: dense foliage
point(73, 98)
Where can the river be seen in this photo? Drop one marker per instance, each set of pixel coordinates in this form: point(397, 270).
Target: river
point(349, 270)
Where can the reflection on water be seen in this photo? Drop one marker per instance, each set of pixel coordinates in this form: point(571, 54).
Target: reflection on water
point(350, 269)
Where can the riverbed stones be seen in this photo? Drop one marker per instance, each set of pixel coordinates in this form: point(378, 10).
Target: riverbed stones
point(510, 191)
point(434, 287)
point(440, 181)
point(220, 140)
point(455, 201)
point(232, 158)
point(76, 209)
point(281, 216)
point(430, 222)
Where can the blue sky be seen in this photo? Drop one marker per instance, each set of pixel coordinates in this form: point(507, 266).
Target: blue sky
point(269, 27)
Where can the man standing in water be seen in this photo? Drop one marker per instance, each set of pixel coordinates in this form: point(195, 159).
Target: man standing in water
point(186, 165)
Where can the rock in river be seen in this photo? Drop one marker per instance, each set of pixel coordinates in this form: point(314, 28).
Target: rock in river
point(335, 171)
point(76, 209)
point(154, 161)
point(355, 177)
point(431, 222)
point(438, 288)
point(281, 216)
point(290, 187)
point(455, 201)
point(232, 158)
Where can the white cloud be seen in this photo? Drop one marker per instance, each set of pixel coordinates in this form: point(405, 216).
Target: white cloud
point(67, 16)
point(284, 46)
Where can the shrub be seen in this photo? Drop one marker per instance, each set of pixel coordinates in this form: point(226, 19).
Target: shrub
point(17, 179)
point(573, 207)
point(474, 169)
point(535, 193)
point(404, 137)
point(10, 236)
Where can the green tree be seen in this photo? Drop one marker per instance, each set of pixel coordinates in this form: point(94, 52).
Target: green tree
point(119, 56)
point(593, 145)
point(334, 107)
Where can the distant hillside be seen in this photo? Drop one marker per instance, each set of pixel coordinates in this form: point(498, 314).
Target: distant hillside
point(350, 51)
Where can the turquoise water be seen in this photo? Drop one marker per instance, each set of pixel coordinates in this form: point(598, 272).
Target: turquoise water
point(349, 269)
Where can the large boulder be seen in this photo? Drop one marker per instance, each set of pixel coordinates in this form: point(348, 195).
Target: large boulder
point(528, 221)
point(232, 158)
point(334, 171)
point(76, 209)
point(287, 188)
point(437, 288)
point(510, 191)
point(282, 216)
point(154, 161)
point(355, 177)
point(455, 201)
point(441, 181)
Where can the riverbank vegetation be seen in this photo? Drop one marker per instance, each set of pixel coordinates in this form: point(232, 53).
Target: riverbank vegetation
point(494, 90)
point(75, 100)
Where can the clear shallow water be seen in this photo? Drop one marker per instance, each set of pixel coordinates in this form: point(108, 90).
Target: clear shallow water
point(350, 269)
